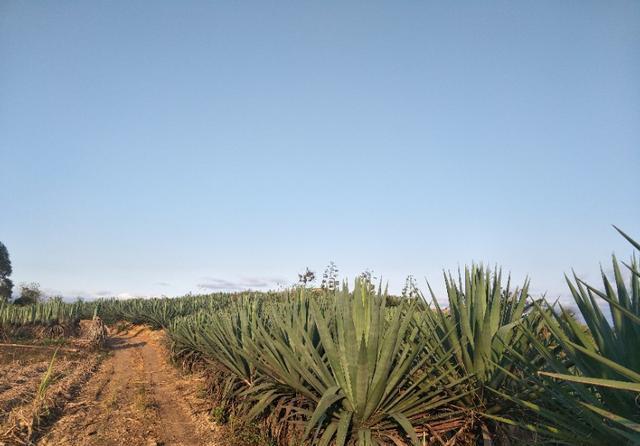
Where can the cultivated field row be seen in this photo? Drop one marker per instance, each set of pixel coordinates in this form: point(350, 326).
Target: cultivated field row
point(357, 367)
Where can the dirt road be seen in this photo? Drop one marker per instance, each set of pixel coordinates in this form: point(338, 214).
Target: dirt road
point(135, 398)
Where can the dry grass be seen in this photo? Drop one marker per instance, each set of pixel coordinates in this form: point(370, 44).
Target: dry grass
point(39, 396)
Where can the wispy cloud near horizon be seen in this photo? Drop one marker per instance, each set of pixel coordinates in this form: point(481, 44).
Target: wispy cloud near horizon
point(217, 284)
point(87, 295)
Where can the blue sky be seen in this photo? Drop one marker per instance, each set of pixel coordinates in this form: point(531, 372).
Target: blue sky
point(163, 147)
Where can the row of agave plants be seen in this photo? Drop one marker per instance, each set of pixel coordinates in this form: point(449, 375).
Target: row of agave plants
point(494, 365)
point(48, 319)
point(358, 367)
point(55, 318)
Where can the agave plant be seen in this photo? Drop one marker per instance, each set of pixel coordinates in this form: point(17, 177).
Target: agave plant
point(384, 386)
point(481, 319)
point(588, 393)
point(292, 373)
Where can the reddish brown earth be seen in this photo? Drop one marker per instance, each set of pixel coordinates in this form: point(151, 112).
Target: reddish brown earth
point(135, 398)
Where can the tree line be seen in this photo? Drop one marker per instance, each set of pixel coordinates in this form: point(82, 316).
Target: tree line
point(28, 293)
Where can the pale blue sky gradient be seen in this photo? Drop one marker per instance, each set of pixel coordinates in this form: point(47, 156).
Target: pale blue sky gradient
point(156, 147)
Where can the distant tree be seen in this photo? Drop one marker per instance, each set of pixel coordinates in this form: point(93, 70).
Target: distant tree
point(307, 277)
point(30, 293)
point(330, 278)
point(6, 285)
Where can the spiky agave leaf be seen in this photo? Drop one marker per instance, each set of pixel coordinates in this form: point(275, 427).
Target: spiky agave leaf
point(589, 393)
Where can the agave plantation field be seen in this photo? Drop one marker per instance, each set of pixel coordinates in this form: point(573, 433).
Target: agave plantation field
point(496, 365)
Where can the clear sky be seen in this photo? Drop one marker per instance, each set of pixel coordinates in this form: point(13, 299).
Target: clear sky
point(159, 147)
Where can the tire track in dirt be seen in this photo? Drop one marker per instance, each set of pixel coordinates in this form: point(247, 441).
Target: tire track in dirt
point(136, 398)
point(177, 427)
